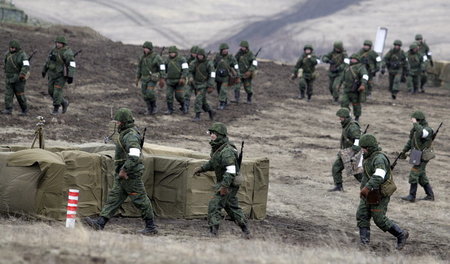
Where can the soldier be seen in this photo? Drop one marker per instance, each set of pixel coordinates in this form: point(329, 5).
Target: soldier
point(151, 69)
point(202, 75)
point(128, 177)
point(225, 164)
point(397, 64)
point(177, 74)
point(304, 69)
point(417, 67)
point(349, 139)
point(190, 87)
point(247, 64)
point(336, 58)
point(424, 50)
point(227, 70)
point(420, 138)
point(376, 188)
point(17, 67)
point(354, 79)
point(60, 66)
point(372, 61)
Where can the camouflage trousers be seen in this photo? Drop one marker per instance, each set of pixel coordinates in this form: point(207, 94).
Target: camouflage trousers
point(394, 82)
point(121, 190)
point(148, 89)
point(370, 83)
point(200, 100)
point(306, 85)
point(222, 88)
point(228, 202)
point(355, 99)
point(189, 89)
point(55, 89)
point(377, 212)
point(418, 174)
point(413, 82)
point(17, 89)
point(247, 83)
point(336, 170)
point(172, 87)
point(333, 85)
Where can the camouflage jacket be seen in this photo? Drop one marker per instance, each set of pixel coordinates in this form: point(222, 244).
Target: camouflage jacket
point(351, 131)
point(226, 66)
point(420, 137)
point(151, 67)
point(336, 61)
point(416, 63)
point(377, 170)
point(246, 61)
point(128, 152)
point(425, 51)
point(202, 72)
point(307, 62)
point(396, 61)
point(177, 68)
point(353, 76)
point(16, 64)
point(60, 61)
point(371, 60)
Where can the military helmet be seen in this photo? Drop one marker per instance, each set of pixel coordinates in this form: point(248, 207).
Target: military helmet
point(173, 49)
point(308, 46)
point(218, 128)
point(148, 45)
point(244, 43)
point(355, 56)
point(413, 46)
point(201, 51)
point(419, 37)
point(368, 43)
point(367, 141)
point(194, 49)
point(338, 45)
point(124, 115)
point(343, 112)
point(61, 39)
point(419, 115)
point(14, 44)
point(397, 42)
point(223, 46)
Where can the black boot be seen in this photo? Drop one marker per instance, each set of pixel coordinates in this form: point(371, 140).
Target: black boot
point(24, 111)
point(245, 230)
point(356, 118)
point(337, 188)
point(214, 230)
point(309, 98)
point(154, 108)
point(301, 95)
point(7, 111)
point(55, 110)
point(169, 109)
point(411, 197)
point(221, 106)
point(401, 235)
point(429, 192)
point(394, 96)
point(364, 235)
point(211, 114)
point(249, 98)
point(197, 117)
point(150, 228)
point(149, 107)
point(65, 105)
point(187, 103)
point(96, 224)
point(237, 95)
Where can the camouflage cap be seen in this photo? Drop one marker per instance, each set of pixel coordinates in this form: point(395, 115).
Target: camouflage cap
point(419, 37)
point(194, 49)
point(244, 43)
point(343, 112)
point(14, 44)
point(413, 46)
point(201, 51)
point(61, 39)
point(419, 115)
point(148, 45)
point(367, 42)
point(367, 141)
point(223, 46)
point(338, 45)
point(355, 56)
point(124, 115)
point(308, 46)
point(218, 128)
point(173, 49)
point(397, 42)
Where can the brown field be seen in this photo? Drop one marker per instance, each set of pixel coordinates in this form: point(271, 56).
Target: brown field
point(305, 223)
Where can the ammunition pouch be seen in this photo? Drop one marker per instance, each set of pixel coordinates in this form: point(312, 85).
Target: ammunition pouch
point(388, 187)
point(415, 157)
point(373, 197)
point(355, 85)
point(428, 154)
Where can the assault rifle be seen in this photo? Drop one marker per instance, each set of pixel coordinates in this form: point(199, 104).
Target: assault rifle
point(365, 130)
point(31, 55)
point(256, 55)
point(437, 131)
point(76, 53)
point(143, 138)
point(241, 154)
point(395, 161)
point(162, 50)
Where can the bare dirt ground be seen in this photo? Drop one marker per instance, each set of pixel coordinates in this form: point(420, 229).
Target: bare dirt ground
point(305, 223)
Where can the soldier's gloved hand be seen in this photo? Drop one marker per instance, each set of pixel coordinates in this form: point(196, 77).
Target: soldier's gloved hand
point(162, 82)
point(247, 74)
point(198, 170)
point(361, 88)
point(364, 192)
point(22, 77)
point(182, 82)
point(293, 76)
point(43, 74)
point(69, 80)
point(223, 191)
point(383, 71)
point(402, 155)
point(123, 174)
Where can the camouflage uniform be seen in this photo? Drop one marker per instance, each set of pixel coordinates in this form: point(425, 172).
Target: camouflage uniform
point(177, 74)
point(190, 87)
point(17, 67)
point(425, 51)
point(420, 138)
point(371, 60)
point(417, 67)
point(202, 74)
point(151, 69)
point(307, 65)
point(60, 67)
point(377, 172)
point(128, 159)
point(336, 60)
point(247, 64)
point(354, 79)
point(225, 165)
point(227, 71)
point(397, 64)
point(351, 133)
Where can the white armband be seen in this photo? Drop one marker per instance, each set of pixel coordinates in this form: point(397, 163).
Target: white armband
point(213, 74)
point(347, 60)
point(360, 163)
point(26, 63)
point(73, 64)
point(356, 143)
point(162, 67)
point(135, 152)
point(378, 59)
point(184, 66)
point(236, 67)
point(380, 172)
point(365, 77)
point(429, 53)
point(425, 58)
point(318, 61)
point(231, 169)
point(255, 63)
point(425, 133)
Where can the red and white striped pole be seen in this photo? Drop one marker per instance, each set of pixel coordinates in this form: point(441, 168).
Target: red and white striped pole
point(72, 205)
